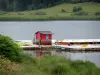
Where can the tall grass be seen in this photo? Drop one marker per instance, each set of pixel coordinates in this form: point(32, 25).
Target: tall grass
point(7, 66)
point(60, 66)
point(55, 65)
point(29, 66)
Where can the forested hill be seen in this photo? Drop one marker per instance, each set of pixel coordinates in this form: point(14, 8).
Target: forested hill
point(20, 5)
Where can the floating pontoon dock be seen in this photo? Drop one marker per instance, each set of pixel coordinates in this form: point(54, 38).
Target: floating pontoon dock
point(28, 45)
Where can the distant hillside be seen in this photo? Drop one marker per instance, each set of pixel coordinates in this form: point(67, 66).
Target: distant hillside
point(21, 5)
point(79, 11)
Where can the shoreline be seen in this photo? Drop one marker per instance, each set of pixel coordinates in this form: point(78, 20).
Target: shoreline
point(51, 20)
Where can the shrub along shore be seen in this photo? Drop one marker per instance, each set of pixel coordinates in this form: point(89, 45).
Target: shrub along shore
point(78, 11)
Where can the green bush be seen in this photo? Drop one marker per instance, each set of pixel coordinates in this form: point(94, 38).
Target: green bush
point(9, 49)
point(76, 9)
point(63, 10)
point(97, 13)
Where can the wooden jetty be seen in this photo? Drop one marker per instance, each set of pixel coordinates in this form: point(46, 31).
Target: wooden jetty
point(80, 50)
point(42, 47)
point(51, 47)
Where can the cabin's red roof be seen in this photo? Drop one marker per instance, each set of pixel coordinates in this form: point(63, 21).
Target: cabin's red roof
point(44, 32)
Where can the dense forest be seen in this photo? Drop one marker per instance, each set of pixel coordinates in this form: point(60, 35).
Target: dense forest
point(20, 5)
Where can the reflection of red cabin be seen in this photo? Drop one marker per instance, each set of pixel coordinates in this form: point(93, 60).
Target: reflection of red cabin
point(43, 37)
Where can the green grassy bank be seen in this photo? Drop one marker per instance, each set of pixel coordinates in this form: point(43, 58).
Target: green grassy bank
point(90, 11)
point(54, 65)
point(48, 65)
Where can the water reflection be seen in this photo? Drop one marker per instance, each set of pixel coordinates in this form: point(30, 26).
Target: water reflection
point(90, 56)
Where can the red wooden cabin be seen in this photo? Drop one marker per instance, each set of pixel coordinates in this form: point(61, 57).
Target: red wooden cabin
point(43, 37)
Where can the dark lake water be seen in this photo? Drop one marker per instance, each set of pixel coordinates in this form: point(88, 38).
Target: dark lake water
point(61, 30)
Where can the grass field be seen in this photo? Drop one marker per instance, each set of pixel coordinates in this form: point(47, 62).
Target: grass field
point(55, 13)
point(48, 65)
point(54, 65)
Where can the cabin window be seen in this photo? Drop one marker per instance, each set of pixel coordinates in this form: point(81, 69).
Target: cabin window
point(47, 37)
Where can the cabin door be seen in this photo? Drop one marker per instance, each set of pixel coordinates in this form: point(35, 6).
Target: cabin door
point(47, 37)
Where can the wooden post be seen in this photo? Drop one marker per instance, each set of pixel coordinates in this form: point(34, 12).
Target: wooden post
point(34, 39)
point(39, 53)
point(40, 47)
point(39, 44)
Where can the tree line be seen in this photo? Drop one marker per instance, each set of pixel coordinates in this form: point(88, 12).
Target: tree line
point(20, 5)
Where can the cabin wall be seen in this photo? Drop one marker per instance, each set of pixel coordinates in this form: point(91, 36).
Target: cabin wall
point(43, 37)
point(37, 36)
point(45, 40)
point(50, 36)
